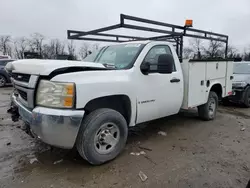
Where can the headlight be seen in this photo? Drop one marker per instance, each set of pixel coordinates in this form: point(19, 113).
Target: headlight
point(239, 84)
point(55, 94)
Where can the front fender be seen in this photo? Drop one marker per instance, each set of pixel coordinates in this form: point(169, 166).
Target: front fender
point(88, 92)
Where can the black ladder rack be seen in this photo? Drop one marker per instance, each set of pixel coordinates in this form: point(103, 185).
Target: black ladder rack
point(170, 33)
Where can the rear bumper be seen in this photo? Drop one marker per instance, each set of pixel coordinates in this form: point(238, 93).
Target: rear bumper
point(53, 126)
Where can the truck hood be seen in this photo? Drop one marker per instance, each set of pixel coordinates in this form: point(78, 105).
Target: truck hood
point(241, 78)
point(45, 67)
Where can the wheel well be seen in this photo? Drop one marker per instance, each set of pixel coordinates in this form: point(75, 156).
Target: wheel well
point(217, 88)
point(120, 103)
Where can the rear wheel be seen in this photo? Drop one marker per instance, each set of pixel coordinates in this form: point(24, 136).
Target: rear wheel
point(247, 98)
point(2, 81)
point(208, 111)
point(102, 136)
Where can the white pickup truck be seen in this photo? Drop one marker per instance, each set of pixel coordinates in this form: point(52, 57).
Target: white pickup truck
point(91, 104)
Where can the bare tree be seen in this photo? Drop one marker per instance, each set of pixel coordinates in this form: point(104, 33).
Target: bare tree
point(246, 55)
point(232, 52)
point(20, 46)
point(71, 48)
point(59, 47)
point(215, 49)
point(5, 45)
point(83, 51)
point(36, 43)
point(197, 47)
point(187, 53)
point(52, 49)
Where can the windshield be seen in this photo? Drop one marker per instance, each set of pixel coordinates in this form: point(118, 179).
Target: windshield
point(242, 68)
point(120, 56)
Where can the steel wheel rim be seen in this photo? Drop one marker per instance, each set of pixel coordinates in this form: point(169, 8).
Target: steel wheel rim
point(106, 138)
point(2, 81)
point(212, 107)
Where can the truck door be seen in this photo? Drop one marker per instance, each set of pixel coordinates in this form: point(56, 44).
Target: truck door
point(159, 95)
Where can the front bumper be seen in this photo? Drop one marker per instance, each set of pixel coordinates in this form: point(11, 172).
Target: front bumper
point(55, 127)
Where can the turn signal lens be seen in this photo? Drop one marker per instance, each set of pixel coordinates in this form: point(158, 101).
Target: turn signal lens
point(68, 101)
point(70, 89)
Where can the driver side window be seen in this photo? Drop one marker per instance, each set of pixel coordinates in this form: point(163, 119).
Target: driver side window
point(153, 55)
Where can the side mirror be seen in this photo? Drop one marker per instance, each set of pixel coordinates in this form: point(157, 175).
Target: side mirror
point(165, 64)
point(145, 67)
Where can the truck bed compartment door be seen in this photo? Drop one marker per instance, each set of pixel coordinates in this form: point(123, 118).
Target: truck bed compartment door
point(216, 70)
point(196, 84)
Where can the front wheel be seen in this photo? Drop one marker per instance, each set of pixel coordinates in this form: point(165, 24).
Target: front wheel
point(102, 136)
point(208, 111)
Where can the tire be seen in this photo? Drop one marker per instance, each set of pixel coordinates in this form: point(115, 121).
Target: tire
point(2, 81)
point(89, 141)
point(246, 99)
point(208, 111)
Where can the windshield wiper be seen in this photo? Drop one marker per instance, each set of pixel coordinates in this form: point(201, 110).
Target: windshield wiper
point(110, 66)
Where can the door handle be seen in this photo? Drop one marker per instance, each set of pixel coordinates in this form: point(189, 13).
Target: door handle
point(173, 80)
point(231, 77)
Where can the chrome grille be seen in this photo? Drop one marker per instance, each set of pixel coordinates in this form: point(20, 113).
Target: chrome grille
point(22, 94)
point(21, 77)
point(25, 85)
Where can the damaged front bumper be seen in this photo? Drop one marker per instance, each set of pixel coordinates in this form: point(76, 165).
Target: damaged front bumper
point(56, 127)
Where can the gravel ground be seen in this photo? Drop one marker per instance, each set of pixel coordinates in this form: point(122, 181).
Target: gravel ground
point(179, 151)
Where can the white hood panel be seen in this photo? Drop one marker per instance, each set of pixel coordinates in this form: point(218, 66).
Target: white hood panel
point(45, 67)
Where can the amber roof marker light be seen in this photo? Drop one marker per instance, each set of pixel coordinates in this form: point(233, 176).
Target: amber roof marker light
point(189, 23)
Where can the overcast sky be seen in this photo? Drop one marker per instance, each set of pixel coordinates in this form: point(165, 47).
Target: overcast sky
point(53, 17)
